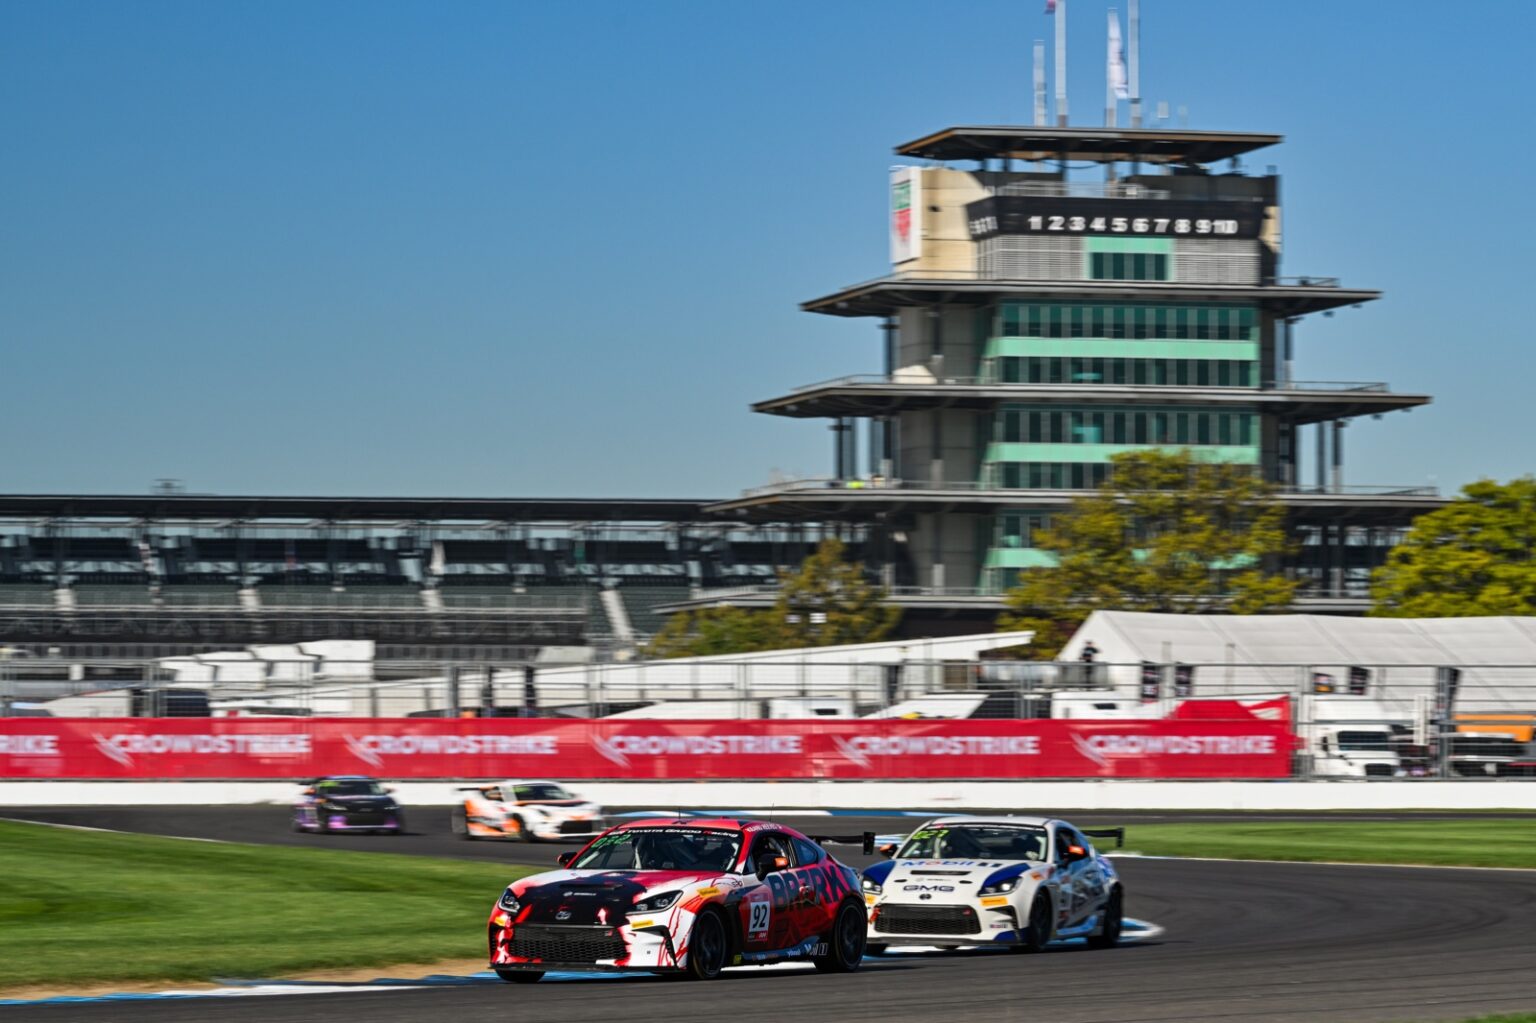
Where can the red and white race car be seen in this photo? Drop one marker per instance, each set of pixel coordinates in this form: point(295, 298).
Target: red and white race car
point(525, 811)
point(689, 896)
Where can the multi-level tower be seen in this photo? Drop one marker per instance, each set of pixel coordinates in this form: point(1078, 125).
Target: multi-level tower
point(1035, 324)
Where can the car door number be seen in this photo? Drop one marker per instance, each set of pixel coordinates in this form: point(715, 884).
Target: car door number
point(761, 914)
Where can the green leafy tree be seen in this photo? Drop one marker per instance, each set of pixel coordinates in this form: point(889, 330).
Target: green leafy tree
point(1165, 532)
point(826, 602)
point(1475, 556)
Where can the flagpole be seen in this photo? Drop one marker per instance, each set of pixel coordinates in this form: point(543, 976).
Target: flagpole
point(1061, 63)
point(1109, 70)
point(1135, 62)
point(1039, 83)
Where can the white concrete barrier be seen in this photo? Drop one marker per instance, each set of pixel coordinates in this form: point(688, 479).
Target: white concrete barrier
point(881, 796)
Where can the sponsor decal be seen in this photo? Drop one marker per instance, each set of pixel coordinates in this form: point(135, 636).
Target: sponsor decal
point(994, 900)
point(372, 749)
point(619, 748)
point(860, 748)
point(709, 891)
point(1099, 748)
point(123, 748)
point(29, 745)
point(928, 888)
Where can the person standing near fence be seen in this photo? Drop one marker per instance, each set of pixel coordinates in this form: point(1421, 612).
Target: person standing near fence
point(1089, 652)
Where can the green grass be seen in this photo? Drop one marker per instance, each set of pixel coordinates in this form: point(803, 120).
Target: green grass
point(77, 907)
point(1464, 843)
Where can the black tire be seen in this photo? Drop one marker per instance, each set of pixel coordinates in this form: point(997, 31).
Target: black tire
point(521, 976)
point(399, 828)
point(1114, 921)
point(458, 822)
point(1037, 934)
point(708, 947)
point(846, 943)
point(523, 834)
point(876, 948)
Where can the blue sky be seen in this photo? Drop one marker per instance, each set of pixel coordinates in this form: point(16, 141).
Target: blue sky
point(557, 249)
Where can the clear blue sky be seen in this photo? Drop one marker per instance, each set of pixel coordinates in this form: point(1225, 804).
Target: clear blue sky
point(556, 249)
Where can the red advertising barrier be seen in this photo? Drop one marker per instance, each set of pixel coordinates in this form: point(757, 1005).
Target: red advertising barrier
point(227, 748)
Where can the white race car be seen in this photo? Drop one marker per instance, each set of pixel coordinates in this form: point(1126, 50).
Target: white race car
point(1021, 882)
point(525, 811)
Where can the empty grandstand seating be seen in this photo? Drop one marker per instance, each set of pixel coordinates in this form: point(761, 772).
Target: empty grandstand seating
point(113, 595)
point(200, 595)
point(26, 594)
point(641, 601)
point(354, 597)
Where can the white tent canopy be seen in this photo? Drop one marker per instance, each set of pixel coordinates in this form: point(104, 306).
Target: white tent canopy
point(1237, 654)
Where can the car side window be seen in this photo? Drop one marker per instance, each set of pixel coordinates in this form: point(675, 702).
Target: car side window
point(770, 844)
point(522, 792)
point(493, 793)
point(1064, 840)
point(806, 852)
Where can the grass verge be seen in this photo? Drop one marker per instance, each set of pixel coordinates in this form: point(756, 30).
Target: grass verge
point(79, 907)
point(1449, 843)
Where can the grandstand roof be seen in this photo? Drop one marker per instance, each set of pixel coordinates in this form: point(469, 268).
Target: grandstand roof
point(161, 507)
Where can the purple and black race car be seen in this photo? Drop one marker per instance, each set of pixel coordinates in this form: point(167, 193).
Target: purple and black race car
point(347, 802)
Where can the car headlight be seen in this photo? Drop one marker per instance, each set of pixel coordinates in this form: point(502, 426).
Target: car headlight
point(1001, 887)
point(509, 902)
point(871, 887)
point(657, 903)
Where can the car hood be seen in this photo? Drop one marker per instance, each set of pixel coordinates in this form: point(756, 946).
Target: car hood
point(596, 897)
point(976, 872)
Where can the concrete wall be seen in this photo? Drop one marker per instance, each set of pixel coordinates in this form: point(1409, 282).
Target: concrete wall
point(947, 249)
point(1026, 796)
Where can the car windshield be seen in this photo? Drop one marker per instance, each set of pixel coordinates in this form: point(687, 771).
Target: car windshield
point(1365, 742)
point(662, 848)
point(540, 790)
point(976, 841)
point(349, 787)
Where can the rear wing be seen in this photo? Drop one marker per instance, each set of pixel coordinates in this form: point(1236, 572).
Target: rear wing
point(864, 840)
point(1118, 834)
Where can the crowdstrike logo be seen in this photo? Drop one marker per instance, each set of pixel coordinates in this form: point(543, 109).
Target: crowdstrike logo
point(372, 749)
point(1088, 750)
point(859, 749)
point(122, 749)
point(29, 745)
point(1099, 748)
point(619, 748)
point(361, 750)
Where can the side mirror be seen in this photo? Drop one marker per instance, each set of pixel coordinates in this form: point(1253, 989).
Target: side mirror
point(565, 858)
point(309, 792)
point(771, 864)
point(1075, 853)
point(389, 788)
point(888, 850)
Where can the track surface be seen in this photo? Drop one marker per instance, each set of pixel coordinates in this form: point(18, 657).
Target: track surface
point(1244, 941)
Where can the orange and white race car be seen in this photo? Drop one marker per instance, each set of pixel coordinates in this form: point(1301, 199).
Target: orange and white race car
point(525, 811)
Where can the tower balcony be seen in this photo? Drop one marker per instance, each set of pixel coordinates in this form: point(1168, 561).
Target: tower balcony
point(916, 388)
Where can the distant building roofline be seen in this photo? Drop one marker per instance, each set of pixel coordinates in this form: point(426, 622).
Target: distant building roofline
point(1098, 145)
point(383, 509)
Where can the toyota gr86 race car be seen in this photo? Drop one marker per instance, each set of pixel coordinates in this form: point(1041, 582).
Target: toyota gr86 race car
point(683, 896)
point(525, 811)
point(1014, 881)
point(347, 802)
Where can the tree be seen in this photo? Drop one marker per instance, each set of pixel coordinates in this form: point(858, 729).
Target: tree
point(826, 602)
point(1165, 532)
point(1475, 556)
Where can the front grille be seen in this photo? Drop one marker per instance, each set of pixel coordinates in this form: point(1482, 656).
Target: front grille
point(566, 944)
point(362, 818)
point(1378, 770)
point(576, 827)
point(927, 920)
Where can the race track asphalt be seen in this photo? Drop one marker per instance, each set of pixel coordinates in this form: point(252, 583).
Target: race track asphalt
point(1243, 941)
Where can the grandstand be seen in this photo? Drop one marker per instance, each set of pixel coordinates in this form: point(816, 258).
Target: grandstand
point(170, 574)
